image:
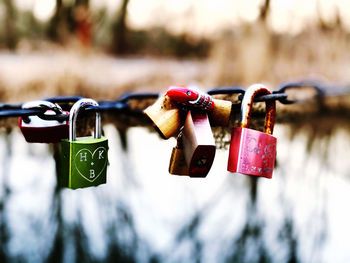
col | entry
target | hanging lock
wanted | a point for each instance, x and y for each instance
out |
(84, 159)
(198, 147)
(219, 111)
(37, 130)
(178, 165)
(166, 115)
(253, 152)
(191, 97)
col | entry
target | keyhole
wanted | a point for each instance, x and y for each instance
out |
(202, 161)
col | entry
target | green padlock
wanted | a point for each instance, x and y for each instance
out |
(84, 160)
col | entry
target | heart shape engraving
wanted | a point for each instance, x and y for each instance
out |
(90, 165)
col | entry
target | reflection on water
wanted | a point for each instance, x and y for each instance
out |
(144, 214)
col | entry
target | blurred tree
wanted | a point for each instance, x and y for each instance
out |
(83, 24)
(61, 23)
(71, 19)
(56, 21)
(328, 26)
(81, 2)
(264, 10)
(10, 27)
(120, 30)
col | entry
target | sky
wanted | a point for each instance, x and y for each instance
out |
(206, 17)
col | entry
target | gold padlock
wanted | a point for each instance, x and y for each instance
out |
(165, 116)
(220, 115)
(178, 165)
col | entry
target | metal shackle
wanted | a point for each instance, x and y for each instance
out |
(42, 104)
(246, 107)
(73, 115)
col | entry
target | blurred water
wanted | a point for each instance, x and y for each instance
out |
(145, 214)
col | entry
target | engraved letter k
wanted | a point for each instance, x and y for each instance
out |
(100, 154)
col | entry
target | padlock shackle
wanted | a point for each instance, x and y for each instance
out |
(43, 104)
(246, 107)
(73, 115)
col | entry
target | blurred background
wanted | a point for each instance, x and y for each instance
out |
(102, 49)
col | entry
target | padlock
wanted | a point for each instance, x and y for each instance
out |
(219, 111)
(253, 152)
(198, 143)
(191, 97)
(167, 117)
(84, 159)
(37, 130)
(178, 165)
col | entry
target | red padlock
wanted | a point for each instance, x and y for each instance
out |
(37, 130)
(191, 97)
(198, 144)
(253, 152)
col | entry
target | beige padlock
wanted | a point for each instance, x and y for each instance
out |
(220, 115)
(166, 116)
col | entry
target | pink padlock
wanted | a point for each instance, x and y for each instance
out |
(37, 130)
(198, 143)
(253, 152)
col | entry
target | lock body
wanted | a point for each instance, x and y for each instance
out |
(43, 131)
(166, 117)
(198, 144)
(178, 165)
(252, 152)
(84, 162)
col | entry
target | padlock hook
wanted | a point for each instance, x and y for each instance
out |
(246, 107)
(73, 115)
